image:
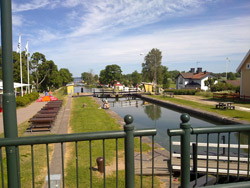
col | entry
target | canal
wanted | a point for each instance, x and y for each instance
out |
(148, 115)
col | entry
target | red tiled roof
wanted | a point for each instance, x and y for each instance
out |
(195, 76)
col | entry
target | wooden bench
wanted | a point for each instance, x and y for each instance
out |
(48, 111)
(53, 115)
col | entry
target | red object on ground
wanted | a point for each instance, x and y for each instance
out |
(46, 98)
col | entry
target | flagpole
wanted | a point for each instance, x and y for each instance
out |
(28, 73)
(28, 69)
(21, 72)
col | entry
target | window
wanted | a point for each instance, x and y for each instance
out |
(248, 66)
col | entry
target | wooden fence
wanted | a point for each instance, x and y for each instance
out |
(232, 96)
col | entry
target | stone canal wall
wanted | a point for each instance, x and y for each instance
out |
(210, 116)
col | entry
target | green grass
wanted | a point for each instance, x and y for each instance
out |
(40, 161)
(241, 115)
(92, 119)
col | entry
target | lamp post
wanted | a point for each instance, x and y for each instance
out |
(227, 60)
(155, 82)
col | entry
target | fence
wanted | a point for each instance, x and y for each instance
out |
(186, 131)
(231, 96)
(129, 133)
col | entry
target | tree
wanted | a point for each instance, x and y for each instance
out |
(37, 67)
(66, 76)
(210, 82)
(110, 74)
(231, 76)
(136, 78)
(89, 77)
(151, 68)
(48, 72)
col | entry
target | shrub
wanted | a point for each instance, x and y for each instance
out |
(182, 91)
(204, 93)
(26, 99)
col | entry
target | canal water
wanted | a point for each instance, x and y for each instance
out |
(148, 115)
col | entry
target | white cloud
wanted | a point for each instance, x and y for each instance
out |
(33, 5)
(17, 20)
(102, 15)
(208, 42)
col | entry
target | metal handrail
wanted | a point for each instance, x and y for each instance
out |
(72, 137)
(186, 130)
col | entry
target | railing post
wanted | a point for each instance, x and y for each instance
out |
(185, 151)
(9, 101)
(129, 152)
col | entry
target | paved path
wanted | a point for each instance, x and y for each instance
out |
(25, 113)
(60, 127)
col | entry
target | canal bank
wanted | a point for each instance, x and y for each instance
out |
(210, 116)
(160, 153)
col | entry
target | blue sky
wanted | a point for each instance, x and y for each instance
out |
(84, 35)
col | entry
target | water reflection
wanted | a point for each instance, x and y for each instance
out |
(153, 111)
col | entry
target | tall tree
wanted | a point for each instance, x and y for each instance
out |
(151, 67)
(136, 78)
(50, 76)
(110, 74)
(66, 76)
(38, 68)
(89, 77)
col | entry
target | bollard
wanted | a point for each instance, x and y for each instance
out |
(185, 151)
(100, 164)
(129, 152)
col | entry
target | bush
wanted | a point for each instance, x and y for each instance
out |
(182, 91)
(204, 94)
(26, 99)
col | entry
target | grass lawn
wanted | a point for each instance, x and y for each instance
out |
(241, 115)
(40, 161)
(40, 157)
(92, 119)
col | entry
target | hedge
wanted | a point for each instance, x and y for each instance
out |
(182, 91)
(26, 99)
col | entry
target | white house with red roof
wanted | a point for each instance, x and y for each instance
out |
(193, 80)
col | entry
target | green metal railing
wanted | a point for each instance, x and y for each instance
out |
(129, 133)
(186, 131)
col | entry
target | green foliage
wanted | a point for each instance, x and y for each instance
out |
(110, 74)
(221, 86)
(210, 82)
(89, 77)
(26, 99)
(182, 91)
(204, 94)
(230, 75)
(66, 76)
(136, 78)
(152, 65)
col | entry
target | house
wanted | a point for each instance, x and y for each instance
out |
(192, 79)
(118, 86)
(148, 87)
(244, 69)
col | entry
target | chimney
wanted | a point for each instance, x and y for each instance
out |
(199, 69)
(192, 70)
